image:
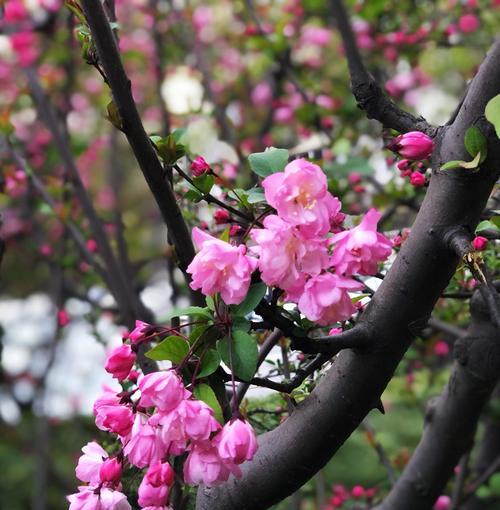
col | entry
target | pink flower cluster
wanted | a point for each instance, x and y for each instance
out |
(164, 421)
(299, 249)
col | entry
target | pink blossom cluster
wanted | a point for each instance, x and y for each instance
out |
(343, 497)
(165, 420)
(302, 249)
(22, 39)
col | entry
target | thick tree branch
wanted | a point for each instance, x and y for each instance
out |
(293, 452)
(144, 152)
(366, 90)
(451, 420)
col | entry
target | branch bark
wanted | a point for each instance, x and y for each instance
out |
(451, 419)
(292, 453)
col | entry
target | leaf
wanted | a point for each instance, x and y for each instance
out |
(270, 161)
(255, 293)
(189, 311)
(492, 113)
(204, 182)
(209, 363)
(452, 164)
(206, 394)
(209, 300)
(255, 195)
(241, 323)
(245, 354)
(178, 134)
(483, 492)
(354, 164)
(194, 195)
(487, 225)
(494, 484)
(113, 115)
(173, 348)
(472, 164)
(475, 142)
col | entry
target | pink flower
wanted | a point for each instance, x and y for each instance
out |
(199, 166)
(262, 94)
(221, 267)
(468, 23)
(142, 329)
(204, 465)
(413, 145)
(115, 418)
(89, 464)
(221, 216)
(163, 390)
(284, 255)
(358, 491)
(441, 348)
(417, 179)
(335, 331)
(442, 503)
(24, 45)
(14, 11)
(316, 36)
(145, 445)
(301, 197)
(237, 441)
(479, 243)
(155, 485)
(198, 419)
(358, 250)
(111, 471)
(325, 299)
(89, 498)
(63, 318)
(120, 361)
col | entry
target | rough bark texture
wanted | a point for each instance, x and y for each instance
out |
(292, 453)
(452, 418)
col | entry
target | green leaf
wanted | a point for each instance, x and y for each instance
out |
(241, 323)
(209, 300)
(270, 161)
(245, 354)
(470, 165)
(255, 293)
(354, 164)
(194, 195)
(492, 113)
(487, 225)
(113, 115)
(475, 142)
(494, 484)
(189, 311)
(452, 164)
(173, 348)
(225, 234)
(178, 134)
(255, 195)
(209, 363)
(206, 394)
(204, 182)
(483, 492)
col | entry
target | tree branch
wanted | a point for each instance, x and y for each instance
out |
(366, 90)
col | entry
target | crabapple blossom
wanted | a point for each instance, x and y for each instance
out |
(163, 390)
(360, 249)
(479, 243)
(237, 441)
(198, 419)
(300, 196)
(141, 330)
(414, 145)
(111, 471)
(199, 166)
(155, 486)
(89, 464)
(204, 465)
(326, 300)
(417, 179)
(90, 498)
(115, 418)
(284, 255)
(221, 267)
(120, 361)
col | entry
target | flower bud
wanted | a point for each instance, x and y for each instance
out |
(417, 179)
(479, 243)
(111, 471)
(413, 145)
(199, 166)
(221, 216)
(120, 361)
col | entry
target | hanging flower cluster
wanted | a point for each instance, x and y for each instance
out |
(155, 420)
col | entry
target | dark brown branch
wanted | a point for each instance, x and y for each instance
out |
(144, 152)
(368, 93)
(451, 420)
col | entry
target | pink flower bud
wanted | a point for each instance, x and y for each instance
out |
(413, 145)
(479, 243)
(358, 491)
(142, 329)
(111, 471)
(154, 488)
(91, 245)
(120, 361)
(221, 216)
(417, 179)
(442, 503)
(335, 331)
(468, 23)
(354, 178)
(63, 318)
(403, 164)
(199, 166)
(237, 441)
(441, 348)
